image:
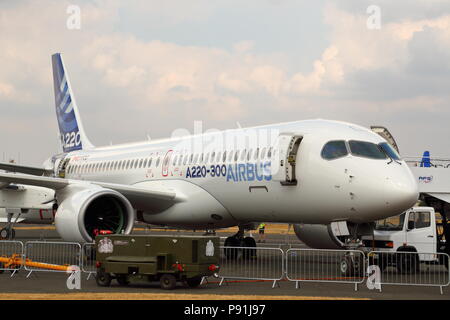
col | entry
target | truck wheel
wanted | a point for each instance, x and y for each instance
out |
(103, 279)
(407, 263)
(123, 279)
(168, 282)
(194, 282)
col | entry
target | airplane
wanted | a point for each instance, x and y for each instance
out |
(310, 171)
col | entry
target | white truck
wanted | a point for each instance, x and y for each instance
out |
(409, 239)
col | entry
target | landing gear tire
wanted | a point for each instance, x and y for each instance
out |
(249, 242)
(168, 282)
(346, 266)
(5, 234)
(103, 279)
(233, 252)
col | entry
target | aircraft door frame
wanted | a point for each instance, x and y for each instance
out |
(287, 145)
(166, 163)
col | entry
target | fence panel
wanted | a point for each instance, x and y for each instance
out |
(9, 252)
(410, 268)
(315, 265)
(88, 258)
(52, 256)
(247, 263)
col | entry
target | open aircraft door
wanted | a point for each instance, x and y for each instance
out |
(285, 159)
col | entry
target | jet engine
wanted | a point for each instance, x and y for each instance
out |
(318, 236)
(87, 210)
(331, 236)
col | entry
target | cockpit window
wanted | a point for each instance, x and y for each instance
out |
(391, 152)
(366, 149)
(334, 149)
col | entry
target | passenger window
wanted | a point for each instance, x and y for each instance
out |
(244, 152)
(256, 153)
(224, 157)
(263, 153)
(236, 155)
(230, 156)
(334, 150)
(157, 162)
(367, 150)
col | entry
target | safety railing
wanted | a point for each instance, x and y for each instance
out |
(249, 263)
(314, 265)
(10, 251)
(88, 254)
(408, 268)
(51, 256)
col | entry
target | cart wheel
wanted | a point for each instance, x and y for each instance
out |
(168, 282)
(123, 279)
(194, 282)
(103, 279)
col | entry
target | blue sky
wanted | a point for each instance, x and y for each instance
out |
(143, 68)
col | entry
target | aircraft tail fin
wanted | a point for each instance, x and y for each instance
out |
(71, 129)
(426, 160)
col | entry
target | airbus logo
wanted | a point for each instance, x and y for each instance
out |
(426, 179)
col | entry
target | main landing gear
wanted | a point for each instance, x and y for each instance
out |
(239, 246)
(8, 233)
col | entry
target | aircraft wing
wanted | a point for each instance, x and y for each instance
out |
(12, 167)
(158, 196)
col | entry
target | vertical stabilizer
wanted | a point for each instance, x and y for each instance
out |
(71, 129)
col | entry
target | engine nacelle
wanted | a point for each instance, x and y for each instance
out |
(331, 236)
(84, 209)
(318, 236)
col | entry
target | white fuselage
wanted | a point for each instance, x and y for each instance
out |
(228, 190)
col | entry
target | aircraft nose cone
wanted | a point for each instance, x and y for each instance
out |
(402, 191)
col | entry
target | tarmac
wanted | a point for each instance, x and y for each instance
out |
(49, 285)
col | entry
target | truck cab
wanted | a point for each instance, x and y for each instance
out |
(415, 230)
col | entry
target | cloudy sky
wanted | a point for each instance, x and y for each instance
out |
(145, 68)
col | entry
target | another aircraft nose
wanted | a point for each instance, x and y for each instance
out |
(402, 191)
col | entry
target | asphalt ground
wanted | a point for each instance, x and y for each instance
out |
(55, 283)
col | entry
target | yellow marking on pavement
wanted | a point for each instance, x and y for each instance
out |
(154, 296)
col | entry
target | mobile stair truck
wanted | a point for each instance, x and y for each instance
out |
(165, 258)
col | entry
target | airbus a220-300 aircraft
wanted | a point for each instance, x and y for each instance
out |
(313, 171)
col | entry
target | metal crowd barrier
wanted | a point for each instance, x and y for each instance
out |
(10, 250)
(314, 265)
(88, 254)
(246, 263)
(55, 255)
(410, 268)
